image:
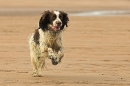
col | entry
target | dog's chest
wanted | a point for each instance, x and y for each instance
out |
(51, 40)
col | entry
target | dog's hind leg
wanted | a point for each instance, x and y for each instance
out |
(35, 68)
(40, 65)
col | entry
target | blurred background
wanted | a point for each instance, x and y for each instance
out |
(34, 7)
(97, 43)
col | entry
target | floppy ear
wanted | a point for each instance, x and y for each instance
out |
(65, 20)
(36, 36)
(44, 20)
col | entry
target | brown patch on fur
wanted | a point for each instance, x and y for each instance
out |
(64, 20)
(36, 36)
(53, 44)
(55, 47)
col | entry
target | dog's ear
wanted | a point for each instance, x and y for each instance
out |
(36, 36)
(65, 19)
(44, 20)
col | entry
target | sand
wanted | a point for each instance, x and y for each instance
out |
(97, 48)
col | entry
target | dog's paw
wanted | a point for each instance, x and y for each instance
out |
(34, 75)
(52, 57)
(54, 61)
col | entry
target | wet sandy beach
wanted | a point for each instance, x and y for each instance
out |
(97, 48)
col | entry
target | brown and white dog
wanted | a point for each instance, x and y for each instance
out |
(46, 41)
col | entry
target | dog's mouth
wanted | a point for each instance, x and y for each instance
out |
(56, 28)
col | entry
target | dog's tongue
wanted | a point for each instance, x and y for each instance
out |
(55, 28)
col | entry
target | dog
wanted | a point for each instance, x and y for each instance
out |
(46, 41)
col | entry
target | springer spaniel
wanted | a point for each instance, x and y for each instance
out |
(46, 41)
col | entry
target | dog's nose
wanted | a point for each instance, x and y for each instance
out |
(58, 23)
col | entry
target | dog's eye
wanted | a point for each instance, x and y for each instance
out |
(54, 16)
(60, 16)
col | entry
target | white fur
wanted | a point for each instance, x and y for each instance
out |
(57, 18)
(39, 52)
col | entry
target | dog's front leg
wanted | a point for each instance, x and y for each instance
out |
(60, 52)
(51, 54)
(60, 55)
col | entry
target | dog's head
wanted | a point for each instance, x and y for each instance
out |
(54, 20)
